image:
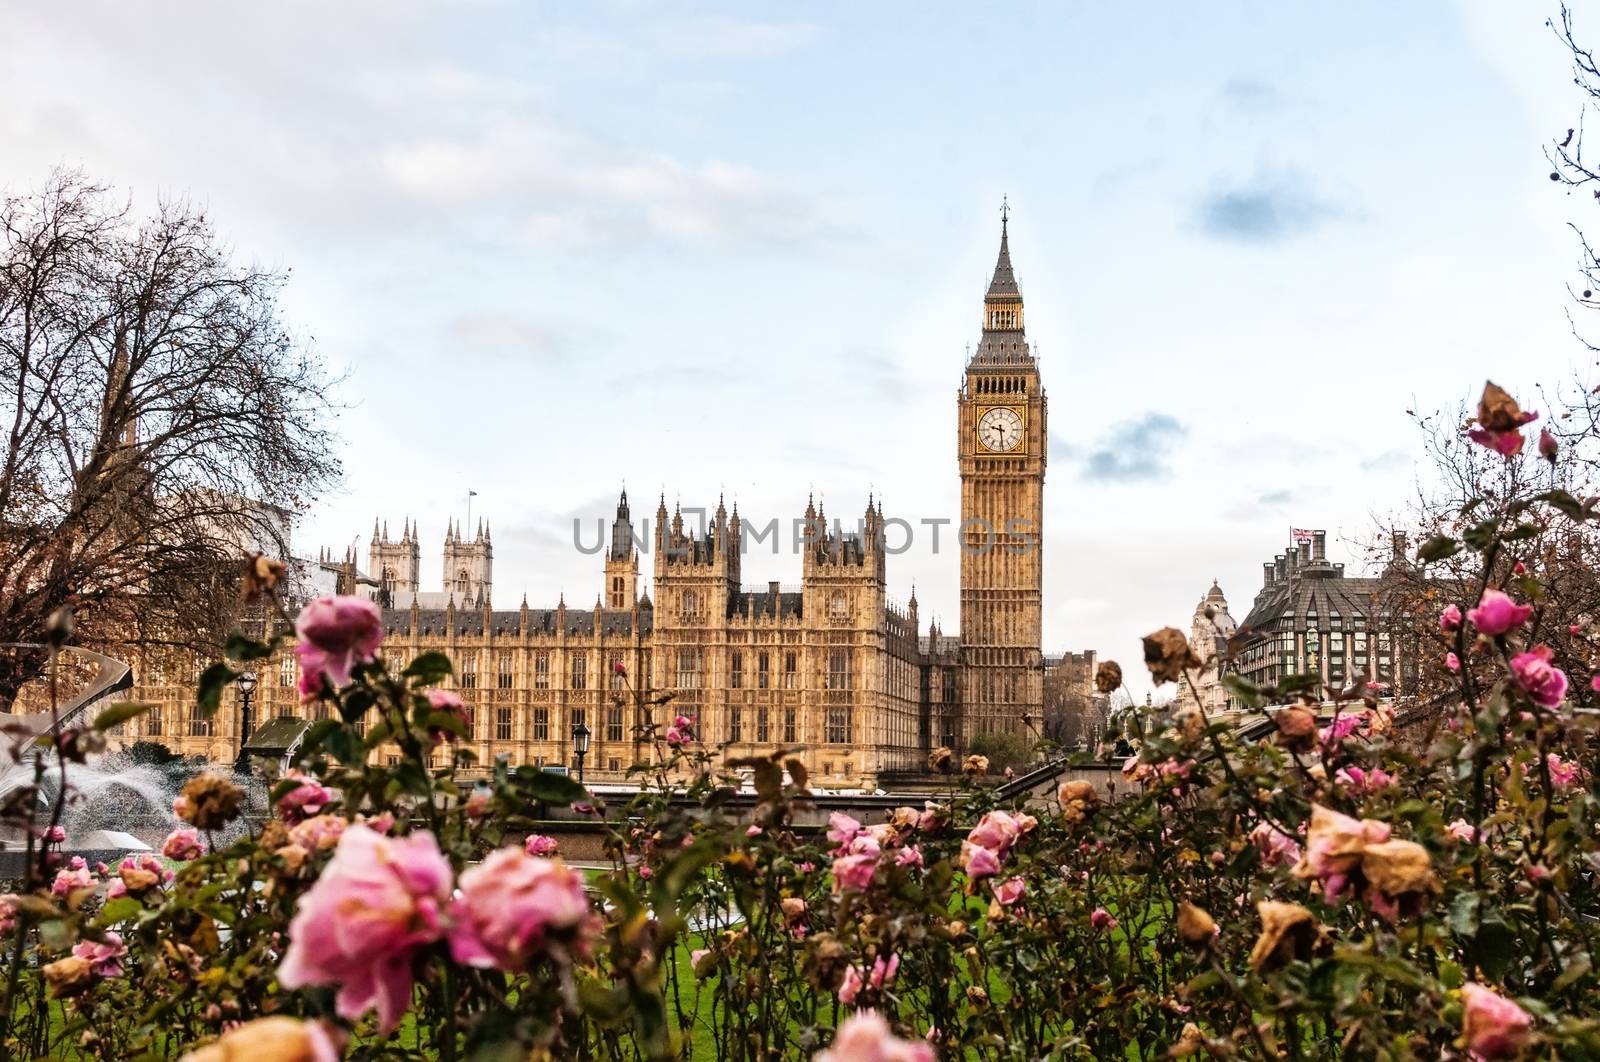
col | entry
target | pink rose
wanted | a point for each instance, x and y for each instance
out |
(851, 986)
(1276, 847)
(55, 835)
(1547, 445)
(842, 829)
(360, 926)
(1450, 618)
(450, 702)
(1362, 780)
(336, 634)
(183, 844)
(883, 971)
(978, 862)
(1496, 613)
(1494, 1026)
(1462, 830)
(104, 955)
(854, 872)
(1545, 685)
(909, 856)
(1452, 661)
(1009, 891)
(305, 800)
(68, 881)
(1102, 920)
(1562, 774)
(753, 830)
(866, 1037)
(322, 831)
(996, 831)
(513, 907)
(478, 804)
(539, 845)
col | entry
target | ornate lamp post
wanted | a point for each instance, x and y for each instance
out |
(247, 687)
(580, 746)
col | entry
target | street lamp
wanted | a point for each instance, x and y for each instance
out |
(580, 746)
(247, 686)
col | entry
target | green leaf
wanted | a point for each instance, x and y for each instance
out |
(1303, 683)
(1480, 536)
(429, 669)
(1566, 503)
(449, 722)
(1438, 548)
(1578, 967)
(1464, 914)
(120, 713)
(548, 787)
(118, 910)
(1249, 694)
(213, 680)
(246, 649)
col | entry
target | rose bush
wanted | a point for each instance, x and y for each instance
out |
(1356, 880)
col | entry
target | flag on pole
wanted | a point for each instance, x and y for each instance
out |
(1298, 535)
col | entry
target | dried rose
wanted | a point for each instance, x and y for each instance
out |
(1108, 676)
(1288, 931)
(209, 801)
(1297, 728)
(1195, 926)
(1167, 654)
(261, 575)
(69, 976)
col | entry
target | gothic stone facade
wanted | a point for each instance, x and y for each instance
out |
(831, 667)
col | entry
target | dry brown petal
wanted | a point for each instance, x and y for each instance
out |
(69, 976)
(975, 765)
(1190, 1042)
(940, 759)
(276, 1039)
(1288, 931)
(1397, 868)
(138, 881)
(1108, 676)
(1297, 728)
(274, 835)
(210, 802)
(293, 856)
(1195, 926)
(1167, 654)
(261, 575)
(1498, 411)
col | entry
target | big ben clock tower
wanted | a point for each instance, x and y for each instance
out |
(1001, 438)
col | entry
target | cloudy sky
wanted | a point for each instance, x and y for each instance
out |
(742, 248)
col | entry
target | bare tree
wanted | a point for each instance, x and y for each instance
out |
(160, 421)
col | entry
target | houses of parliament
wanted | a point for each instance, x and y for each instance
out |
(831, 667)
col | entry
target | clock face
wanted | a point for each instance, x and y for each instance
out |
(1000, 430)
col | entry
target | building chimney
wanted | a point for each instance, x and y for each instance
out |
(1268, 574)
(1319, 545)
(1398, 542)
(1279, 566)
(1305, 553)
